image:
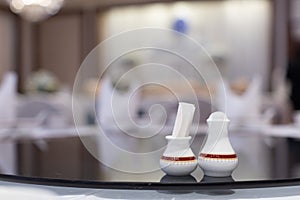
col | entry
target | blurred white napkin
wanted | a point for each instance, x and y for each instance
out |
(241, 109)
(117, 108)
(8, 91)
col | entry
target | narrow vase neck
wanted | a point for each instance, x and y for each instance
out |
(217, 140)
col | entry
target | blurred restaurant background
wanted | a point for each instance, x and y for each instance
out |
(43, 43)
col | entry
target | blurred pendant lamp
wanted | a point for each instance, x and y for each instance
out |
(35, 10)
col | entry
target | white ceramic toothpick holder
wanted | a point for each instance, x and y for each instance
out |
(217, 157)
(178, 158)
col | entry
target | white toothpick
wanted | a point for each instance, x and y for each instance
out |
(184, 118)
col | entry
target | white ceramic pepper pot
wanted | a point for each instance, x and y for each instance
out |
(217, 157)
(178, 158)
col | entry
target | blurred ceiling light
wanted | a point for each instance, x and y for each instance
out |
(35, 10)
(181, 10)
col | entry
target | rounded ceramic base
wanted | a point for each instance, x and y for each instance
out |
(217, 167)
(217, 174)
(178, 168)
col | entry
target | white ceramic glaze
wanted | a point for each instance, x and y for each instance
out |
(178, 158)
(217, 157)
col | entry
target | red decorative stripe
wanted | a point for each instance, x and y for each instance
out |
(178, 158)
(220, 156)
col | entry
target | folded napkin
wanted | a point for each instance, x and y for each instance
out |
(8, 93)
(117, 108)
(241, 109)
(8, 97)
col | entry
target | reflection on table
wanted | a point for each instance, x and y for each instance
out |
(59, 153)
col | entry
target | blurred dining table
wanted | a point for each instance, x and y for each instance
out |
(262, 150)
